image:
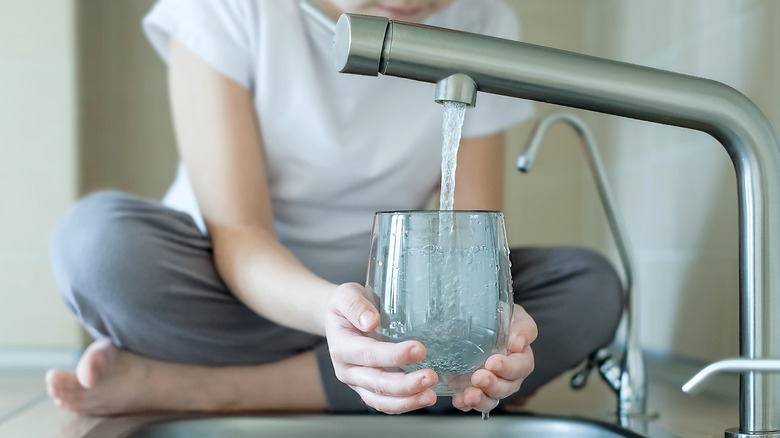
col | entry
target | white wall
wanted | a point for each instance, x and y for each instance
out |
(38, 168)
(679, 186)
(676, 188)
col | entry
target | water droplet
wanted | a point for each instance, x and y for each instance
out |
(379, 263)
(485, 415)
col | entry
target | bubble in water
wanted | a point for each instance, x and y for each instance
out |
(380, 263)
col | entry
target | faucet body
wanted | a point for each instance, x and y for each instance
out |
(371, 45)
(626, 374)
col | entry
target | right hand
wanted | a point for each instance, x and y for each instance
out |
(362, 362)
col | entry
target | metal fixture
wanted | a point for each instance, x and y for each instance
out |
(733, 365)
(456, 88)
(516, 69)
(623, 371)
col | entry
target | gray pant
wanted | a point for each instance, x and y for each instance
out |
(143, 275)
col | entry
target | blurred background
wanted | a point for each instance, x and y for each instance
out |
(83, 106)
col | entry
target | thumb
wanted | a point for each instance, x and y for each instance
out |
(352, 304)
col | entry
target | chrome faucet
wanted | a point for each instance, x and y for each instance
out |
(372, 45)
(623, 371)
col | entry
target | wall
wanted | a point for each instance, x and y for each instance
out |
(676, 188)
(544, 206)
(126, 134)
(38, 171)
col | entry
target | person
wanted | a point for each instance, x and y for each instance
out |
(241, 290)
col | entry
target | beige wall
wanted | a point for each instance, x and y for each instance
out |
(126, 134)
(38, 169)
(544, 207)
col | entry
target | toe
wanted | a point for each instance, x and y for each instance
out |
(94, 361)
(61, 382)
(70, 399)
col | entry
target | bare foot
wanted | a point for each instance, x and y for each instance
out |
(109, 380)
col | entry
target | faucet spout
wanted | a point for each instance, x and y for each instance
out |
(457, 88)
(511, 68)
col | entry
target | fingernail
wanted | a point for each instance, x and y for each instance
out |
(427, 381)
(425, 400)
(365, 319)
(497, 365)
(415, 351)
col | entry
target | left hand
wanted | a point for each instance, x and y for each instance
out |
(503, 374)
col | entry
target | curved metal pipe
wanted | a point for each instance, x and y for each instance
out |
(527, 158)
(632, 387)
(733, 365)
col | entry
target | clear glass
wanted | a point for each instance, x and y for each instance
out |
(442, 278)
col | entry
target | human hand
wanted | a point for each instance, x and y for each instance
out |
(503, 374)
(362, 362)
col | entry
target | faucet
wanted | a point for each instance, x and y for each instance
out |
(371, 45)
(625, 375)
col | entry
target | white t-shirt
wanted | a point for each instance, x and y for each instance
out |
(338, 147)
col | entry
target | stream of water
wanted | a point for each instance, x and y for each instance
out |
(457, 359)
(454, 115)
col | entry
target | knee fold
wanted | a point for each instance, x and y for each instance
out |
(85, 243)
(603, 297)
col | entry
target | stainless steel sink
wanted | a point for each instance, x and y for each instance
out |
(379, 426)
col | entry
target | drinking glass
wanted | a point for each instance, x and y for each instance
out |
(442, 278)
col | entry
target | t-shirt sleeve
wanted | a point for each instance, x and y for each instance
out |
(494, 113)
(218, 31)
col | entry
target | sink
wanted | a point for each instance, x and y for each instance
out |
(380, 426)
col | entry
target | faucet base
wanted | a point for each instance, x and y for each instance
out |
(735, 433)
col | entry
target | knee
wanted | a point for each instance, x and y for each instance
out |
(77, 240)
(88, 246)
(599, 296)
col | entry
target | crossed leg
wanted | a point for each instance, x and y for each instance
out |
(171, 336)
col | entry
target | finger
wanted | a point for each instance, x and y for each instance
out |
(478, 400)
(383, 382)
(458, 403)
(523, 330)
(493, 386)
(355, 307)
(367, 352)
(516, 366)
(397, 405)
